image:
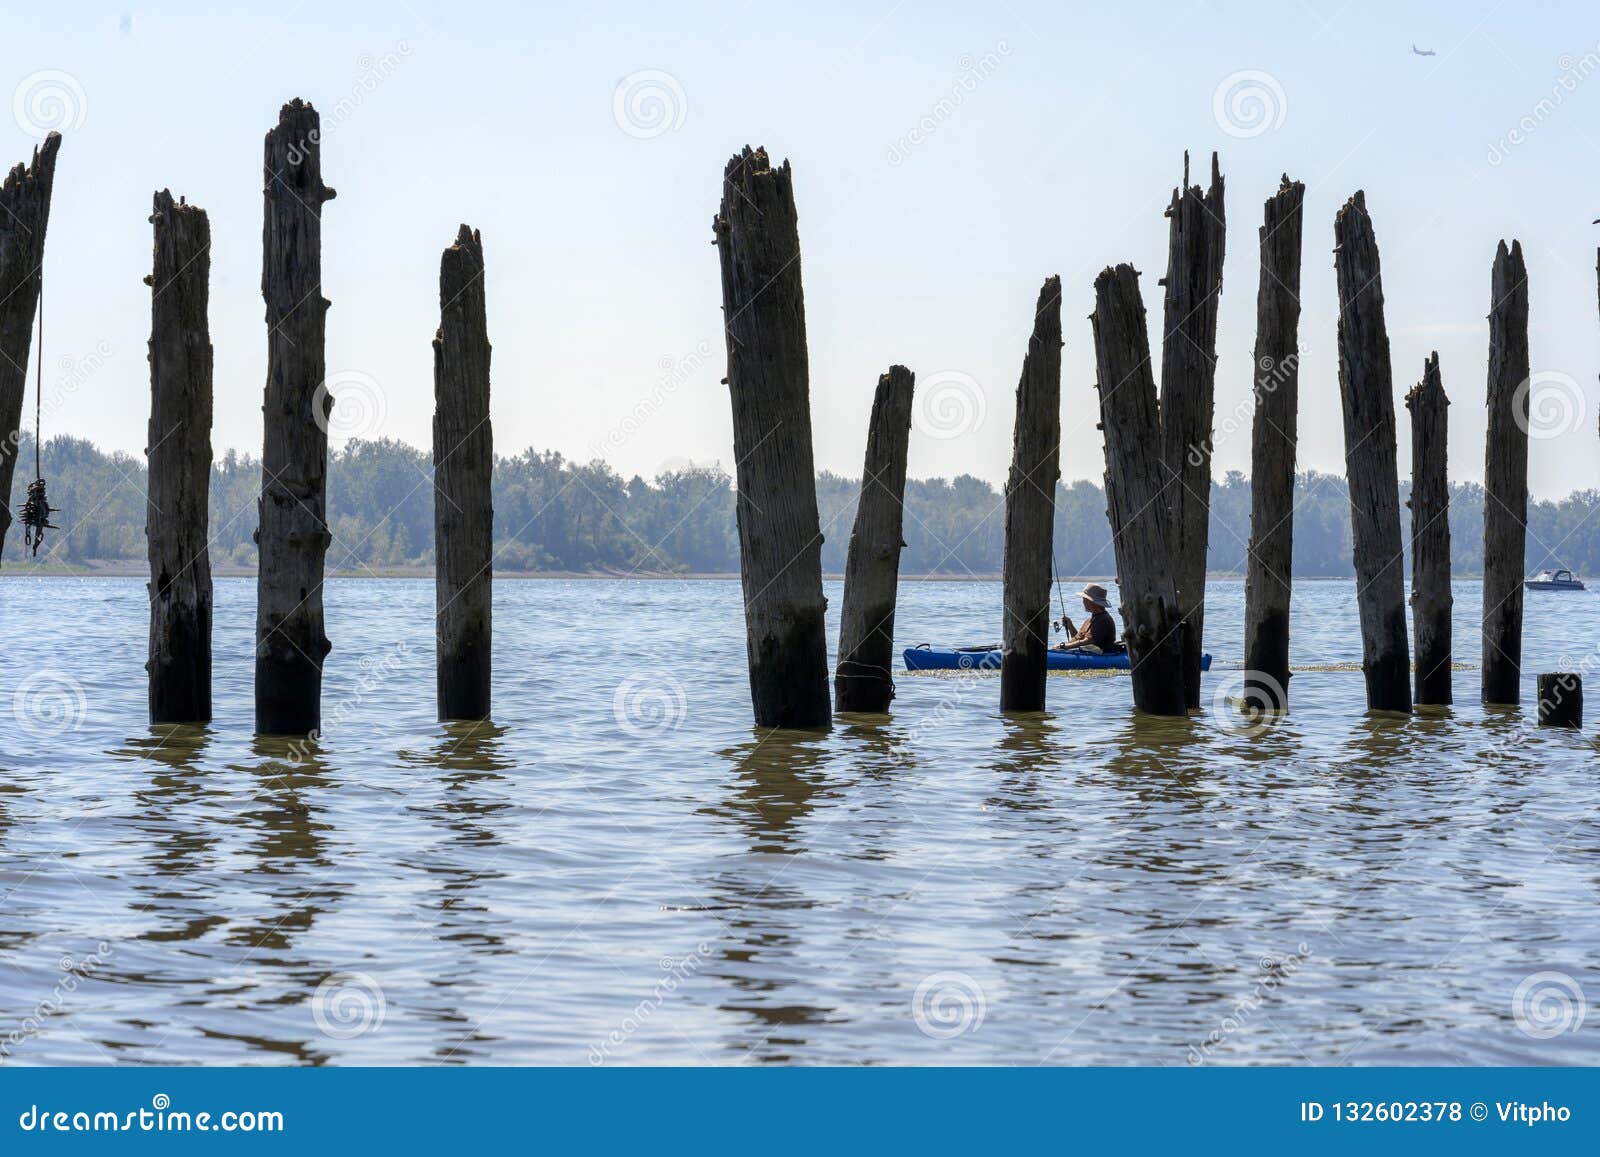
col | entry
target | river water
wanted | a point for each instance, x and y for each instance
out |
(621, 870)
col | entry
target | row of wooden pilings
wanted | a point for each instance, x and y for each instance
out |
(292, 535)
(1157, 456)
(1158, 444)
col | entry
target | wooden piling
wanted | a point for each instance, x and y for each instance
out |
(1268, 578)
(780, 538)
(1366, 390)
(293, 532)
(1132, 428)
(1431, 600)
(1505, 477)
(864, 678)
(1030, 510)
(177, 508)
(463, 466)
(24, 217)
(1561, 699)
(1196, 239)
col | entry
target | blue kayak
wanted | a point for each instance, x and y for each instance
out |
(931, 658)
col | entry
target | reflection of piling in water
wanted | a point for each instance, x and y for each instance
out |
(1131, 425)
(1505, 477)
(1030, 510)
(1272, 450)
(293, 533)
(463, 462)
(1431, 600)
(864, 680)
(780, 538)
(177, 506)
(1196, 239)
(1366, 390)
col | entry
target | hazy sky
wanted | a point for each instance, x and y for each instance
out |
(947, 157)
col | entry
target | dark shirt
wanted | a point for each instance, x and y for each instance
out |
(1100, 629)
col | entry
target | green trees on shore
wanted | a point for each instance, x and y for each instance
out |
(552, 514)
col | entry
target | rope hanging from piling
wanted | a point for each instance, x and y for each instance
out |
(36, 510)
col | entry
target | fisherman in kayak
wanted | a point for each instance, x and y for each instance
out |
(1098, 635)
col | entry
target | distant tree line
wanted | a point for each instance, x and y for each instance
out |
(552, 514)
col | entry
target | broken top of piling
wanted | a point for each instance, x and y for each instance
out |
(1366, 392)
(24, 216)
(769, 385)
(1196, 242)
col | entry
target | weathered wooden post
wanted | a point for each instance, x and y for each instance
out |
(1366, 389)
(293, 534)
(769, 380)
(1031, 510)
(1132, 426)
(1431, 600)
(864, 678)
(1196, 238)
(463, 465)
(1268, 576)
(24, 217)
(1561, 699)
(179, 448)
(1505, 477)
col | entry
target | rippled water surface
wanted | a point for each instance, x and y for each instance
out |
(622, 870)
